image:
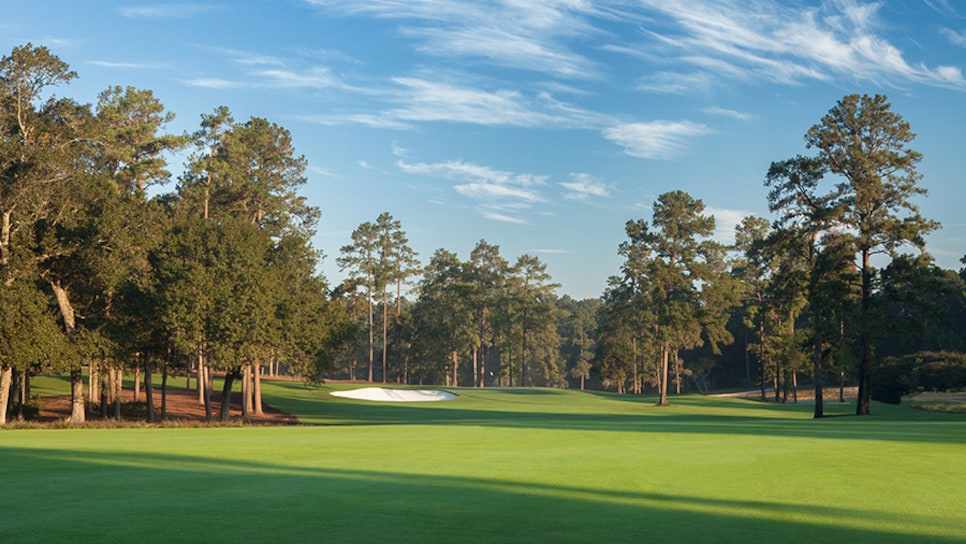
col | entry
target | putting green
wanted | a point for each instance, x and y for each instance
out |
(498, 466)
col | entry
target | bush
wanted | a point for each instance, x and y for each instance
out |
(32, 408)
(922, 371)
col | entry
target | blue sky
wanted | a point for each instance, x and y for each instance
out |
(539, 126)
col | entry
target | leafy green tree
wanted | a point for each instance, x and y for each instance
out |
(862, 140)
(531, 290)
(29, 336)
(443, 317)
(674, 267)
(395, 264)
(486, 275)
(33, 148)
(620, 335)
(360, 258)
(755, 271)
(578, 330)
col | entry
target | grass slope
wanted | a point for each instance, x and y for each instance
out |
(498, 466)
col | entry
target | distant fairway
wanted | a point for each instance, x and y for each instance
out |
(498, 466)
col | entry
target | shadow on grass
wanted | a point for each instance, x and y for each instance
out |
(689, 414)
(100, 496)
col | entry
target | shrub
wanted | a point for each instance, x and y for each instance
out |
(922, 371)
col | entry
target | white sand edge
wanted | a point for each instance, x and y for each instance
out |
(381, 394)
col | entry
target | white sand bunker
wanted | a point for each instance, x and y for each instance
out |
(381, 394)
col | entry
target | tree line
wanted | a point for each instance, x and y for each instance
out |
(104, 272)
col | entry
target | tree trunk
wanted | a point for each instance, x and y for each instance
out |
(665, 353)
(24, 393)
(476, 368)
(77, 413)
(201, 377)
(119, 388)
(164, 391)
(137, 382)
(455, 375)
(865, 338)
(230, 375)
(258, 390)
(93, 380)
(637, 382)
(761, 352)
(5, 230)
(369, 301)
(206, 390)
(841, 386)
(246, 393)
(677, 373)
(6, 380)
(148, 389)
(483, 352)
(105, 395)
(817, 369)
(385, 335)
(795, 386)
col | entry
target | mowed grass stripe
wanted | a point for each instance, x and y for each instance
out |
(497, 466)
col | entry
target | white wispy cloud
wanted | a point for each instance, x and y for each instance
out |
(954, 37)
(425, 100)
(724, 112)
(315, 77)
(398, 150)
(676, 83)
(503, 218)
(527, 35)
(773, 41)
(166, 11)
(584, 186)
(725, 222)
(261, 71)
(493, 191)
(475, 173)
(127, 65)
(322, 172)
(212, 83)
(501, 195)
(655, 139)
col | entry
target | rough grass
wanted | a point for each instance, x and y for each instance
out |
(498, 466)
(937, 401)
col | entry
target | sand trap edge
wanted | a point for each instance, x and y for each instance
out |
(382, 394)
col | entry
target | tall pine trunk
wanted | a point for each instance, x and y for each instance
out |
(164, 391)
(865, 339)
(225, 412)
(118, 389)
(246, 393)
(206, 391)
(258, 390)
(148, 389)
(665, 353)
(385, 335)
(6, 380)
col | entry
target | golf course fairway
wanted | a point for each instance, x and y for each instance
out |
(497, 465)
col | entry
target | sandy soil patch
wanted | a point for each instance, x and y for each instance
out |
(381, 394)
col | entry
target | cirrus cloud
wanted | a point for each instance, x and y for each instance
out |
(656, 139)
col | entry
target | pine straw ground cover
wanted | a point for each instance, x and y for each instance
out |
(498, 466)
(937, 401)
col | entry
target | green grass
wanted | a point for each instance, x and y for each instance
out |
(498, 466)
